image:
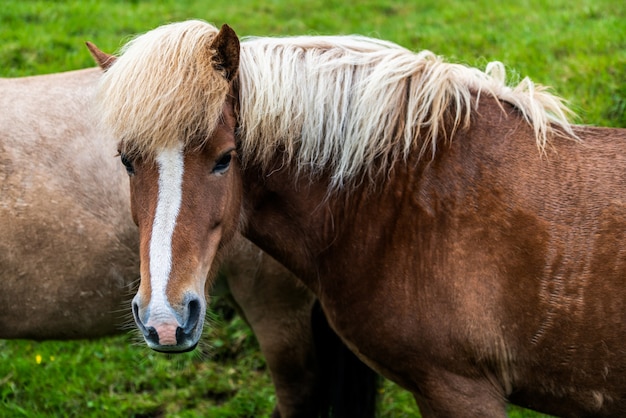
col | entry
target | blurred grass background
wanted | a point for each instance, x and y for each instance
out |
(577, 47)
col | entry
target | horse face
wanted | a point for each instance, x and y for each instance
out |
(186, 203)
(185, 186)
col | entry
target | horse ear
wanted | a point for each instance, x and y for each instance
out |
(226, 48)
(103, 59)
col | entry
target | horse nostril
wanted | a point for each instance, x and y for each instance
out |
(186, 332)
(151, 335)
(138, 320)
(136, 311)
(194, 309)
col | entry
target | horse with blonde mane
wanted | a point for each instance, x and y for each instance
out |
(463, 238)
(69, 258)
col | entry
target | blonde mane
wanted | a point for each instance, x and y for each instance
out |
(348, 104)
(345, 102)
(163, 89)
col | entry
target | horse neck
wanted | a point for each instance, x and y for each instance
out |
(282, 222)
(311, 231)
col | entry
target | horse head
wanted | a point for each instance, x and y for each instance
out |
(170, 105)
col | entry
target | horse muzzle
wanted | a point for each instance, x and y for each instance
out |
(170, 330)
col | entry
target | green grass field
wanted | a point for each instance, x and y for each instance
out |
(577, 47)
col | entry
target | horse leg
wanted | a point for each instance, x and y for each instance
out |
(454, 396)
(278, 309)
(346, 386)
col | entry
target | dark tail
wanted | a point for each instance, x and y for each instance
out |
(347, 388)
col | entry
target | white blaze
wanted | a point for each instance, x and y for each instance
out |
(170, 163)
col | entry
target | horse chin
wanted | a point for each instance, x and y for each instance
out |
(174, 349)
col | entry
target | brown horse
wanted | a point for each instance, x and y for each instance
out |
(68, 248)
(462, 237)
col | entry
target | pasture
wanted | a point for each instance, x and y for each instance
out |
(578, 48)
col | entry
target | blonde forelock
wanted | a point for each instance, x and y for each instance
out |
(163, 89)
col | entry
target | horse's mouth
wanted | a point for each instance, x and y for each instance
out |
(174, 349)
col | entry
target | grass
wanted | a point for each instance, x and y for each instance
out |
(577, 47)
(116, 377)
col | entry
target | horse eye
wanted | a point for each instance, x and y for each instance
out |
(128, 164)
(221, 166)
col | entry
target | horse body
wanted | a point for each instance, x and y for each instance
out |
(68, 254)
(499, 265)
(489, 272)
(67, 239)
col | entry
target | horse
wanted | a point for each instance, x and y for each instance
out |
(463, 236)
(69, 259)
